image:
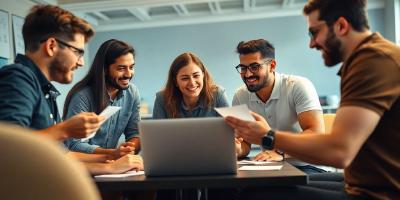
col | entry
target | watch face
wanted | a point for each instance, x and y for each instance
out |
(267, 142)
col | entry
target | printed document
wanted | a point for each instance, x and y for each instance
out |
(253, 162)
(258, 167)
(126, 174)
(107, 113)
(240, 111)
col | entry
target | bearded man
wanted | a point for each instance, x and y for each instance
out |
(108, 84)
(287, 102)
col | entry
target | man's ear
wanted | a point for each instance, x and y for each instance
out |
(50, 47)
(342, 26)
(273, 65)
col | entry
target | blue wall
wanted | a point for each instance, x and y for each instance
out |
(215, 44)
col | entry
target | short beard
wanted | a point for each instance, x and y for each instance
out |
(58, 70)
(256, 88)
(333, 47)
(111, 82)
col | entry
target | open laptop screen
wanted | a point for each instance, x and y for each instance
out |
(189, 146)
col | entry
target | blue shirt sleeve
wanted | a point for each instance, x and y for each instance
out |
(159, 111)
(19, 96)
(79, 103)
(131, 129)
(222, 100)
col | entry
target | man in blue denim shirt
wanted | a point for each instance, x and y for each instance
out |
(108, 84)
(53, 52)
(54, 42)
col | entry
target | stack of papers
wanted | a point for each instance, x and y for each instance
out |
(273, 167)
(253, 162)
(126, 174)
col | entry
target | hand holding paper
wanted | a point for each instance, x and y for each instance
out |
(241, 112)
(107, 113)
(250, 131)
(78, 126)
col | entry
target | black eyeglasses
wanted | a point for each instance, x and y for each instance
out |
(76, 50)
(79, 52)
(253, 67)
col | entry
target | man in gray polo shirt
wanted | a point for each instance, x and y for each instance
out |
(287, 102)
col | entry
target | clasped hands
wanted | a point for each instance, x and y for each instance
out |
(124, 149)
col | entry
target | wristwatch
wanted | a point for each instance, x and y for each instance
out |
(268, 141)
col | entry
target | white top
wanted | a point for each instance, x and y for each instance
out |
(290, 96)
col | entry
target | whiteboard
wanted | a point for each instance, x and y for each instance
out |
(19, 45)
(4, 35)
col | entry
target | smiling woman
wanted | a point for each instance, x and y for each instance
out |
(190, 91)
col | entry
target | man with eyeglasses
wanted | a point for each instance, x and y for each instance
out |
(365, 136)
(27, 96)
(54, 42)
(287, 102)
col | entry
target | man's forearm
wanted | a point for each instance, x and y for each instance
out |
(100, 150)
(84, 157)
(98, 168)
(55, 132)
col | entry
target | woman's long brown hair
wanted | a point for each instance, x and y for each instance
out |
(173, 96)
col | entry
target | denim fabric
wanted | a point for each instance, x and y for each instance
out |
(125, 121)
(27, 98)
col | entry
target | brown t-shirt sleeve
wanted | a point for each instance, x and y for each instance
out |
(371, 81)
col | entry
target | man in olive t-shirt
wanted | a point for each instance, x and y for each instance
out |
(365, 136)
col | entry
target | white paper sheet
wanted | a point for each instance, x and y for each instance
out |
(240, 111)
(107, 113)
(258, 167)
(126, 174)
(253, 162)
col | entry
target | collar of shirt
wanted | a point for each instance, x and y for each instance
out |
(120, 94)
(276, 91)
(45, 84)
(200, 104)
(359, 46)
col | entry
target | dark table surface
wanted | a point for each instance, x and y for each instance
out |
(288, 175)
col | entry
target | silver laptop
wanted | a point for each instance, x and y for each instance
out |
(190, 146)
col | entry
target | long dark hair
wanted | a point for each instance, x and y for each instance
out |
(108, 52)
(172, 94)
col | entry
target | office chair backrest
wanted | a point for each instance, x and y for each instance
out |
(33, 167)
(328, 120)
